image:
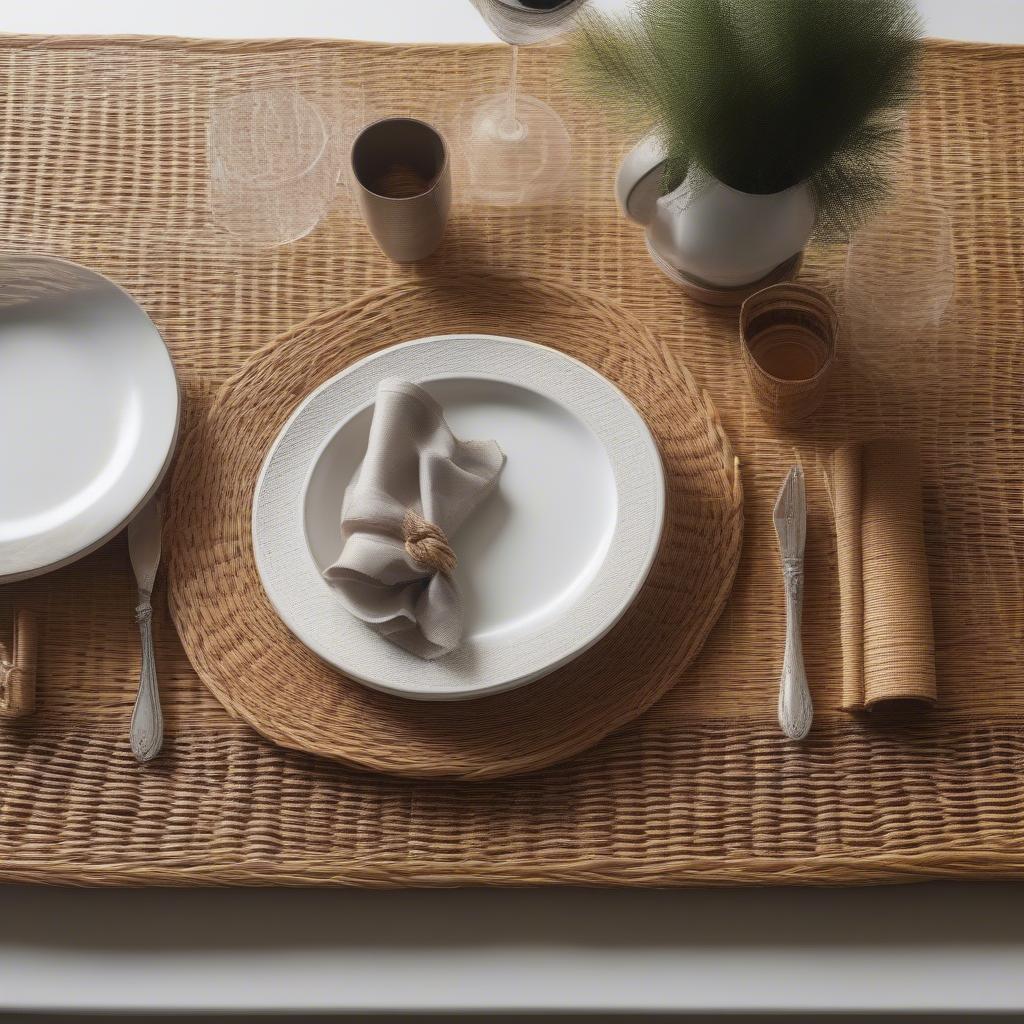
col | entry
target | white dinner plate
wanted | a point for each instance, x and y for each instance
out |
(88, 412)
(547, 563)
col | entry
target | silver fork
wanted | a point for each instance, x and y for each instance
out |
(795, 708)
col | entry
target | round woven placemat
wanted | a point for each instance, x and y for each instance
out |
(263, 675)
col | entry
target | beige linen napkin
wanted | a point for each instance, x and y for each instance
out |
(414, 489)
(886, 623)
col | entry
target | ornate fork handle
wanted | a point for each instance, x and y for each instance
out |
(147, 728)
(795, 708)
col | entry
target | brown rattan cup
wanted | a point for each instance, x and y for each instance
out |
(403, 184)
(788, 334)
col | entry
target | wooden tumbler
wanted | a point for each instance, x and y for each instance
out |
(18, 673)
(788, 334)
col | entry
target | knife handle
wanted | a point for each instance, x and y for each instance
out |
(796, 711)
(147, 728)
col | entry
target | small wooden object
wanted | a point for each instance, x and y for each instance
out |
(18, 673)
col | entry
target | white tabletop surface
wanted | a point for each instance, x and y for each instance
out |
(936, 947)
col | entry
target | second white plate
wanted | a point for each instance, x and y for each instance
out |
(546, 565)
(88, 412)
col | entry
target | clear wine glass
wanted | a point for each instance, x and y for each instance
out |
(900, 272)
(516, 147)
(900, 280)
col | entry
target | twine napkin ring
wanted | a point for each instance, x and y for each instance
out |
(427, 544)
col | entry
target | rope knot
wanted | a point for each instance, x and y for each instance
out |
(143, 613)
(427, 544)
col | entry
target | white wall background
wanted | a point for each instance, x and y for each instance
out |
(388, 20)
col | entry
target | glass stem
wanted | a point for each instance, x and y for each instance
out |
(511, 113)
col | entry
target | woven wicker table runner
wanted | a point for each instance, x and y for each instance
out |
(102, 160)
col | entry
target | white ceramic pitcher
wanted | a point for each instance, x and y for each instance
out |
(714, 237)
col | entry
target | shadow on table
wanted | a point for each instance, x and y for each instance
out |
(253, 919)
(294, 930)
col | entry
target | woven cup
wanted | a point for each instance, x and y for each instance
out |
(788, 333)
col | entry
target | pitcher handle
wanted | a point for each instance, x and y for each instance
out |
(638, 183)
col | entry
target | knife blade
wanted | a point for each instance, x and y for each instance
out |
(144, 545)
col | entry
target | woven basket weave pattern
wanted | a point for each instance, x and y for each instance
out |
(103, 145)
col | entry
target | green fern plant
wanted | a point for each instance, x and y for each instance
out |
(763, 94)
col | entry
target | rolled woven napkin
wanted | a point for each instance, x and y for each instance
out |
(416, 486)
(888, 644)
(522, 22)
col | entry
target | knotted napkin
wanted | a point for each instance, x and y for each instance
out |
(416, 486)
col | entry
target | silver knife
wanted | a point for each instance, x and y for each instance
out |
(147, 728)
(795, 709)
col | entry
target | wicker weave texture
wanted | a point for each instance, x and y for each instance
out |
(102, 160)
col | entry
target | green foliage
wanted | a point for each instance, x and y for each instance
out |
(763, 94)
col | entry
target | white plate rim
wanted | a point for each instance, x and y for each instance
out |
(268, 561)
(157, 478)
